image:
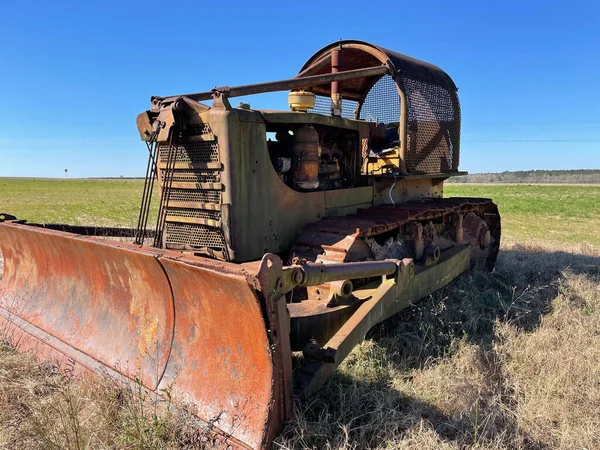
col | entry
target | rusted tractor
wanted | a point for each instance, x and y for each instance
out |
(277, 232)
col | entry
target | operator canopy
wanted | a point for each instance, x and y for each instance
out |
(359, 55)
(416, 96)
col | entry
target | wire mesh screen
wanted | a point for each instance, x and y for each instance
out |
(323, 106)
(185, 234)
(433, 132)
(191, 151)
(382, 104)
(188, 207)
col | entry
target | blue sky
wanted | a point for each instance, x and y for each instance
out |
(74, 75)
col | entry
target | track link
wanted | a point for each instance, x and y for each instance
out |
(342, 239)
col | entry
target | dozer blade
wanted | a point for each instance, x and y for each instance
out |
(198, 326)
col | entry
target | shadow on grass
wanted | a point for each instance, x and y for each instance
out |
(363, 405)
(519, 291)
(372, 415)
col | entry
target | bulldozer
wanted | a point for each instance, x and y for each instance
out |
(282, 237)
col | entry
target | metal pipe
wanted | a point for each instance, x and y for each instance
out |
(336, 97)
(313, 274)
(282, 85)
(402, 127)
(389, 298)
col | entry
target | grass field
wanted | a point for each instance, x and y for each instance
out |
(552, 213)
(507, 360)
(103, 202)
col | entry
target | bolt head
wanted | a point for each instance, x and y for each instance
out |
(298, 276)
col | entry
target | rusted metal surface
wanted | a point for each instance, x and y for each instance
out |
(336, 96)
(359, 54)
(312, 274)
(390, 297)
(270, 275)
(220, 355)
(423, 115)
(306, 158)
(199, 325)
(335, 240)
(89, 295)
(224, 159)
(192, 204)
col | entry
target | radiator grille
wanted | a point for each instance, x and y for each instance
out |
(199, 196)
(184, 234)
(207, 197)
(192, 152)
(195, 213)
(195, 176)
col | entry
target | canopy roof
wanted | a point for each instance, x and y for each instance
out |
(358, 55)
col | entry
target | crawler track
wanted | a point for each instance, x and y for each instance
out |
(341, 239)
(344, 239)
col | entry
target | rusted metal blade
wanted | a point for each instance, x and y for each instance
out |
(112, 304)
(188, 323)
(220, 355)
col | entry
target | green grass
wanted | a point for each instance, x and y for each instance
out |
(568, 214)
(102, 202)
(554, 213)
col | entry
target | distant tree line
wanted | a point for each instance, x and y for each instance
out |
(533, 176)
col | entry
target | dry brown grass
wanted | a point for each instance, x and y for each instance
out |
(41, 408)
(508, 360)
